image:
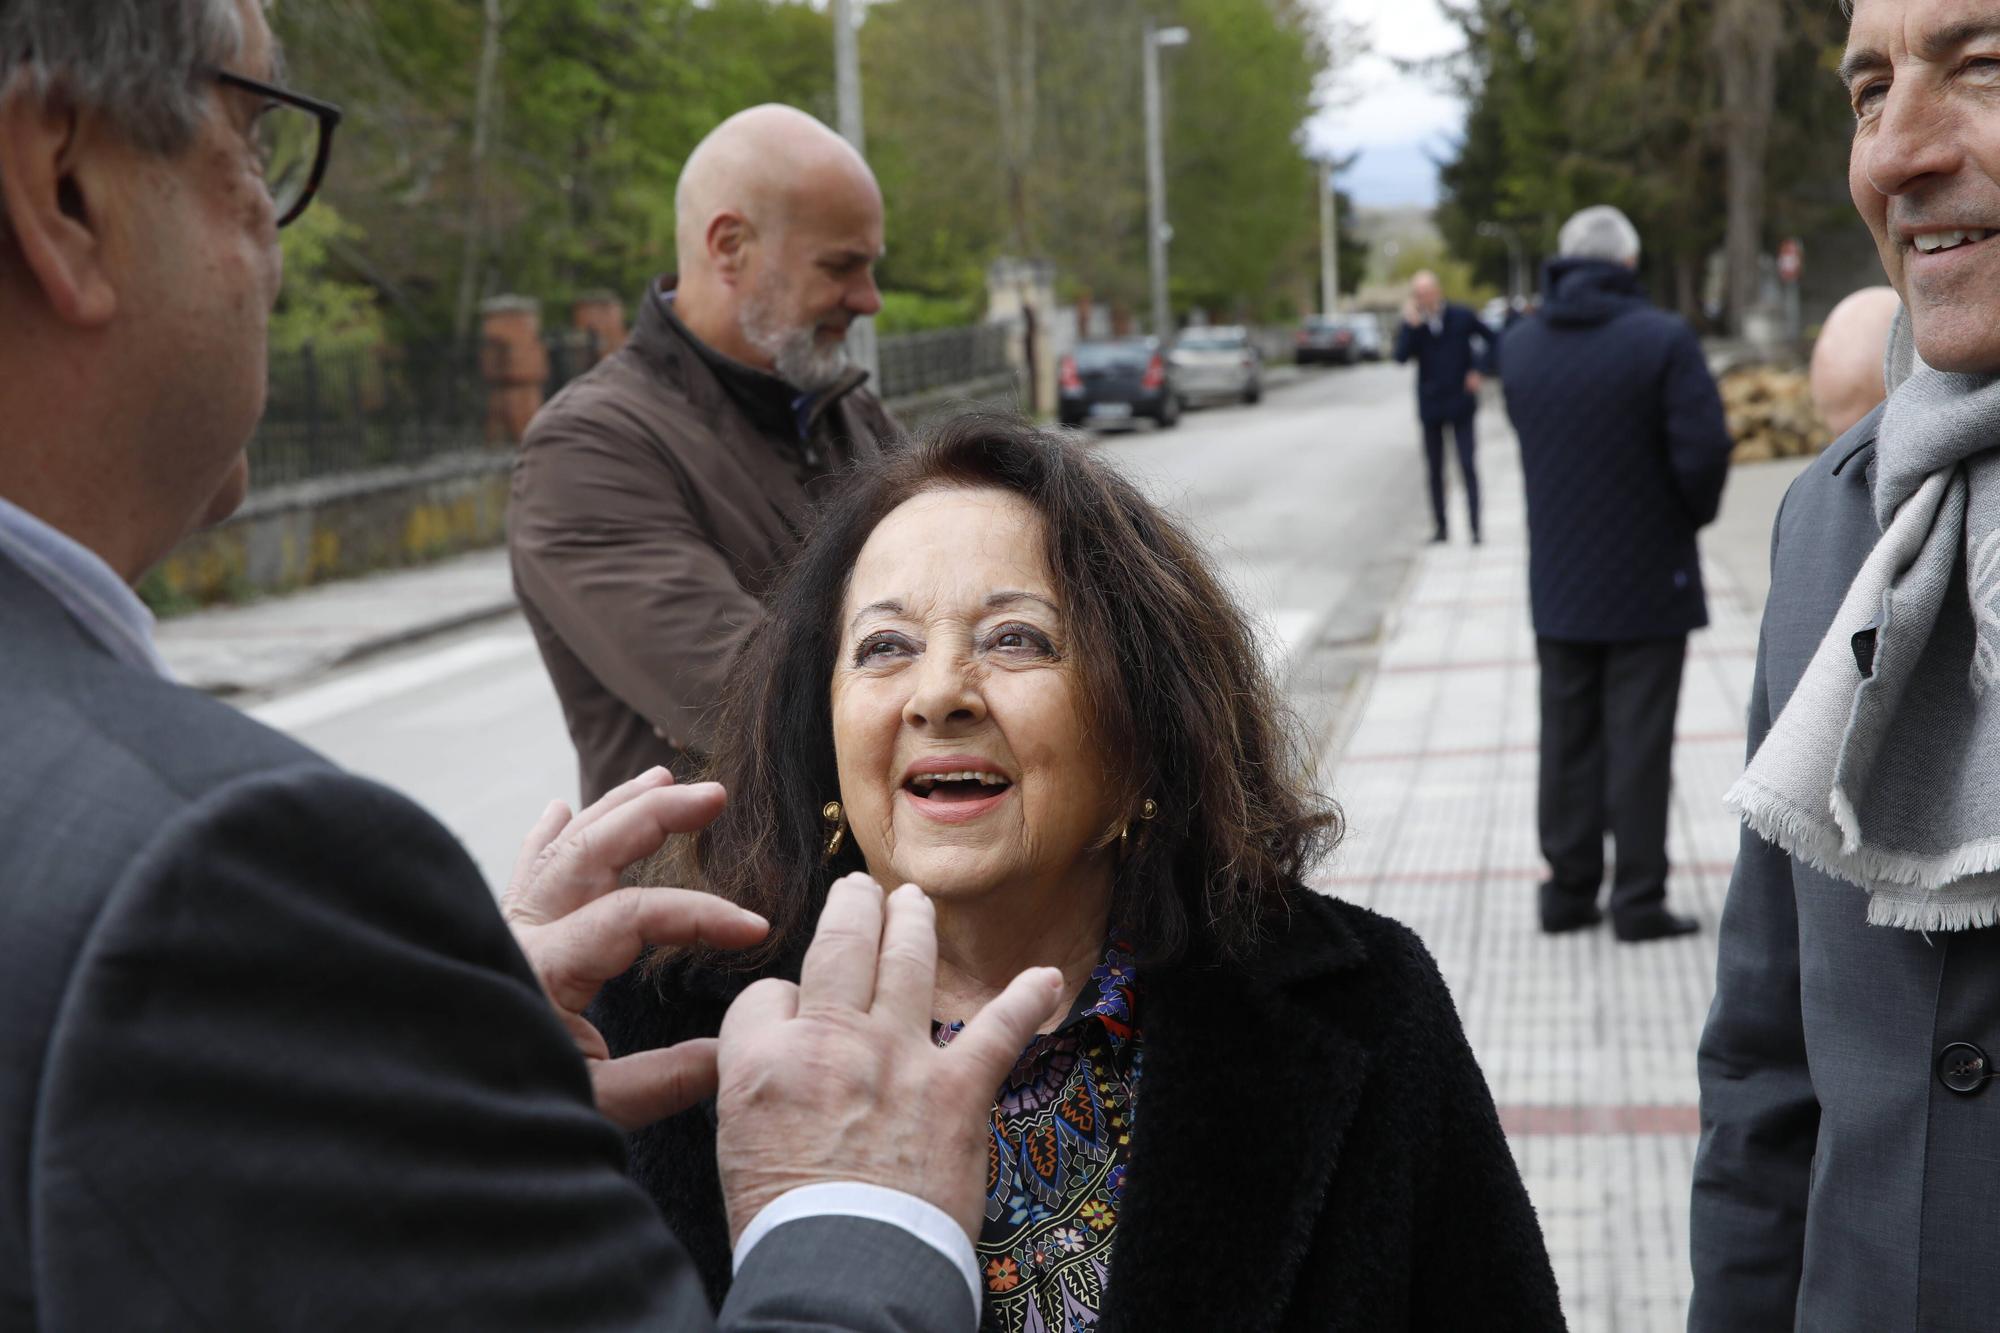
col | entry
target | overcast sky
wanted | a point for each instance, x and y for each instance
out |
(1397, 121)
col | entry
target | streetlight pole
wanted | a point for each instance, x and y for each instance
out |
(1157, 231)
(847, 100)
(847, 74)
(1329, 242)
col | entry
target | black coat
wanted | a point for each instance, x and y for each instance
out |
(1315, 1149)
(1623, 454)
(1444, 359)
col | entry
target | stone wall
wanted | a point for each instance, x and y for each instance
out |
(340, 527)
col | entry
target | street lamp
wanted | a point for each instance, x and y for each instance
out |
(1329, 240)
(1158, 233)
(861, 346)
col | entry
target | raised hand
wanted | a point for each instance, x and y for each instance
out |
(837, 1078)
(580, 928)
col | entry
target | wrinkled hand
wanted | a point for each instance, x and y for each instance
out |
(837, 1078)
(580, 929)
(1473, 381)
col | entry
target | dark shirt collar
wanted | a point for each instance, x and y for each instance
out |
(1110, 997)
(776, 406)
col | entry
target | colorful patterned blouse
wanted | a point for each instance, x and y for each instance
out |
(1056, 1174)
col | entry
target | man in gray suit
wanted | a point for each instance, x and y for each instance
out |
(269, 1058)
(1848, 1177)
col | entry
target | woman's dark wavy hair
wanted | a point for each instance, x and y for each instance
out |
(1169, 676)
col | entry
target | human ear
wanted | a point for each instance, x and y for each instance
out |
(48, 150)
(729, 238)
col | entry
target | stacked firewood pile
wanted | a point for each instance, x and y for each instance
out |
(1771, 414)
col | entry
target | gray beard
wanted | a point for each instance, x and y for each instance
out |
(796, 354)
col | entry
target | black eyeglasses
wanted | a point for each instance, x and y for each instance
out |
(294, 138)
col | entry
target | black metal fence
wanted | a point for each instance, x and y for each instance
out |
(330, 413)
(571, 352)
(914, 363)
(334, 413)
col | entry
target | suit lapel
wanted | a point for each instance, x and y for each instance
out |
(1245, 1098)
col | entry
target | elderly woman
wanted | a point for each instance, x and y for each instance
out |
(998, 672)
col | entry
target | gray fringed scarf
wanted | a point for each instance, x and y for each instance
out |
(1884, 768)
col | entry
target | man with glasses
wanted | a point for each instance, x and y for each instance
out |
(268, 1056)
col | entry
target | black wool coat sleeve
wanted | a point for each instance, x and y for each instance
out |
(1315, 1148)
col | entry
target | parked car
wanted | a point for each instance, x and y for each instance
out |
(1367, 337)
(1111, 382)
(1217, 363)
(1324, 340)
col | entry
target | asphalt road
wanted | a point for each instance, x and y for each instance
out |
(1310, 501)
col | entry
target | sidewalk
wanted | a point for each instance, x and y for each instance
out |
(263, 646)
(1588, 1044)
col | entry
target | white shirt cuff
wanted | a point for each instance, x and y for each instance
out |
(847, 1198)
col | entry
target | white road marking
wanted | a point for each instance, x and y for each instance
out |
(352, 693)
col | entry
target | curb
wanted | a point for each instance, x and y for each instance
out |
(399, 638)
(240, 691)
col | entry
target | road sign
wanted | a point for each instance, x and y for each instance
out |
(1791, 260)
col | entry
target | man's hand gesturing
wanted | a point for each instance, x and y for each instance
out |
(837, 1078)
(579, 929)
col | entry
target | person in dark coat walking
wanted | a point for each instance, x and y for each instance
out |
(1623, 452)
(1439, 334)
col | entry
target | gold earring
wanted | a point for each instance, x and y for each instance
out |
(837, 819)
(1147, 809)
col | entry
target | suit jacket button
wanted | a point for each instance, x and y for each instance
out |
(1963, 1068)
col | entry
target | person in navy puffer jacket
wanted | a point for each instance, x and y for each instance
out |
(1624, 451)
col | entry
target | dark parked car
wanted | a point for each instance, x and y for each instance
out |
(1325, 340)
(1111, 382)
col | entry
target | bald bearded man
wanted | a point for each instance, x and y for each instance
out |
(656, 496)
(1847, 357)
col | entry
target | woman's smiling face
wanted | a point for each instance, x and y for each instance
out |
(966, 765)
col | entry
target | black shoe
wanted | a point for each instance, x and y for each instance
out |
(1564, 910)
(1653, 923)
(1437, 539)
(1563, 920)
(1477, 540)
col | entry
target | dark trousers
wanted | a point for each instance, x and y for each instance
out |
(1462, 438)
(1607, 766)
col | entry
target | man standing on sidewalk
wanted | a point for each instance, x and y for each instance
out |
(656, 497)
(1439, 334)
(1847, 1180)
(1623, 454)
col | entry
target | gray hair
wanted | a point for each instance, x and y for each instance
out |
(1599, 232)
(138, 62)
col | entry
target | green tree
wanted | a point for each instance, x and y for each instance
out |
(320, 305)
(1015, 126)
(1656, 106)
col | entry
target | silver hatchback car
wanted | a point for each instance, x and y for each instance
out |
(1218, 363)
